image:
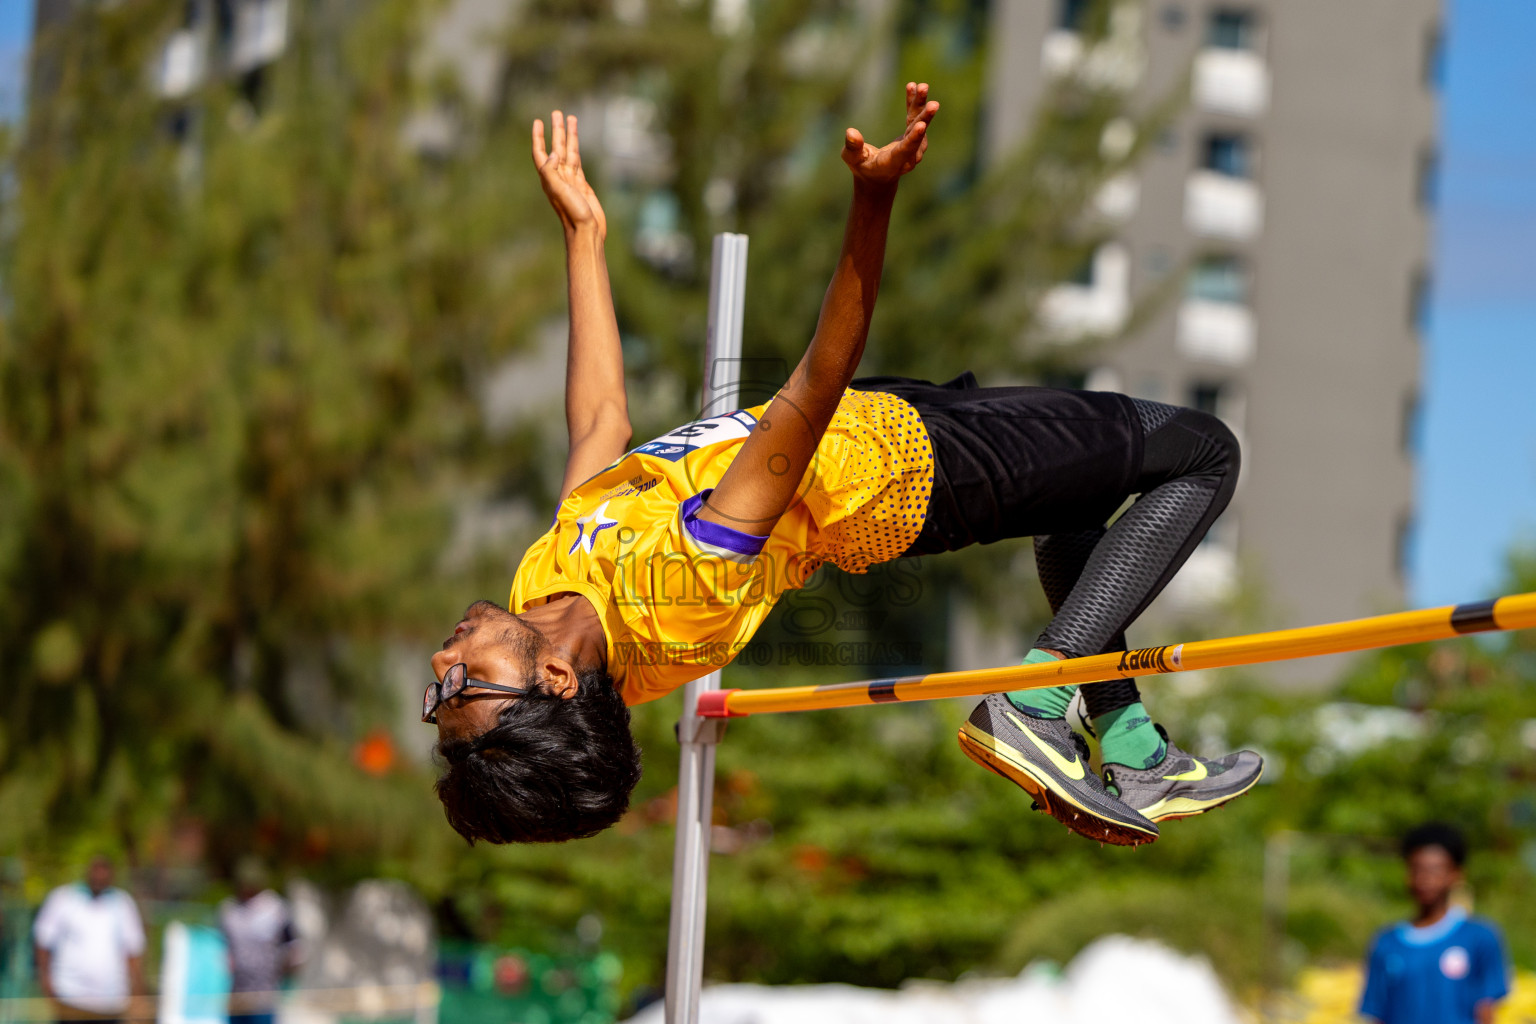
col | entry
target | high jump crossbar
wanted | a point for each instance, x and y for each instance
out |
(1517, 611)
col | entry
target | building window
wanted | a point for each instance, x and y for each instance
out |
(1419, 291)
(1230, 29)
(1083, 273)
(1206, 396)
(224, 22)
(1228, 153)
(1072, 15)
(1412, 424)
(1402, 554)
(179, 124)
(1433, 70)
(1218, 279)
(1426, 186)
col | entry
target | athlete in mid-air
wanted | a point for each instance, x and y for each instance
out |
(662, 558)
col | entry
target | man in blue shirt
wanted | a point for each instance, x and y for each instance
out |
(1443, 967)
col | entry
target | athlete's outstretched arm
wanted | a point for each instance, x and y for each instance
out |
(596, 408)
(761, 482)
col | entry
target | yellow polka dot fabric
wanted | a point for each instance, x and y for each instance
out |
(875, 475)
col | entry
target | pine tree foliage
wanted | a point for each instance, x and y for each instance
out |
(238, 411)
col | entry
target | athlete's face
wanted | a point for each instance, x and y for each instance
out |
(496, 647)
(99, 875)
(1432, 874)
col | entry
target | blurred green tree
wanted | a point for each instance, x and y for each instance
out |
(237, 418)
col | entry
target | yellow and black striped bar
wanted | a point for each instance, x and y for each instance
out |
(1518, 611)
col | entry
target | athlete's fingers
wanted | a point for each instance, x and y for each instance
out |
(915, 137)
(540, 154)
(557, 144)
(853, 139)
(573, 144)
(917, 99)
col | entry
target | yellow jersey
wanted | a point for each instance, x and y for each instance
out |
(679, 596)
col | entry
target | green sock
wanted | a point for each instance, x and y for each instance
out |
(1048, 703)
(1128, 736)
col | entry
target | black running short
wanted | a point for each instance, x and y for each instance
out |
(1019, 461)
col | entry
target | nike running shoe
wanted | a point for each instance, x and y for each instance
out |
(1184, 785)
(1049, 761)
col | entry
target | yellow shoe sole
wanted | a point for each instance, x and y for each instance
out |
(995, 756)
(1174, 808)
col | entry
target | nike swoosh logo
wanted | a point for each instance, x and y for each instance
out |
(1072, 769)
(1195, 774)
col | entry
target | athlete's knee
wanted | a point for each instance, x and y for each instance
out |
(1221, 454)
(1153, 415)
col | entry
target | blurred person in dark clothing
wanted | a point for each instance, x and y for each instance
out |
(1443, 966)
(89, 946)
(258, 930)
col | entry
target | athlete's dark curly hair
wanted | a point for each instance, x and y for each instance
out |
(1435, 833)
(550, 769)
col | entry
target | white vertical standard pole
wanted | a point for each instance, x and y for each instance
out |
(698, 736)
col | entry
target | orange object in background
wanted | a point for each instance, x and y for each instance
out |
(375, 753)
(812, 860)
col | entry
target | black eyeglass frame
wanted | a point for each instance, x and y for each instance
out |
(455, 681)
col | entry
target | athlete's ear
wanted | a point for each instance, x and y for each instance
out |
(558, 676)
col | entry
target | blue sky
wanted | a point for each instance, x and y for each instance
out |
(15, 30)
(1477, 472)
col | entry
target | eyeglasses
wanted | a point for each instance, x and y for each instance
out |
(455, 681)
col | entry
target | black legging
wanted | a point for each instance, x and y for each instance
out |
(1055, 465)
(1098, 581)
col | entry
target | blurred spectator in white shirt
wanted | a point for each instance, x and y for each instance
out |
(259, 932)
(89, 945)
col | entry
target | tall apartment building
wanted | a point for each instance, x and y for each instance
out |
(1295, 192)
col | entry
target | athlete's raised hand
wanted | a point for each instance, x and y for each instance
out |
(886, 165)
(561, 175)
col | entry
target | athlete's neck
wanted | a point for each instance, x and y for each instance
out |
(573, 628)
(1432, 913)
